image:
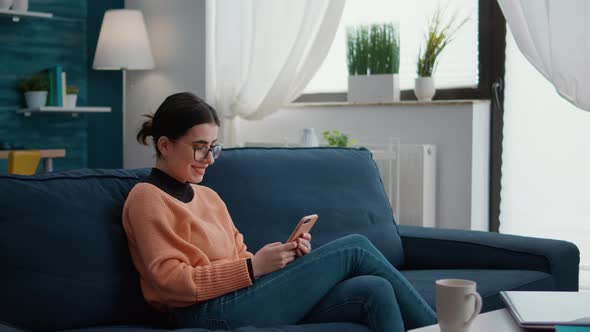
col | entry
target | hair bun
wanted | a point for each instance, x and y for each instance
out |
(147, 129)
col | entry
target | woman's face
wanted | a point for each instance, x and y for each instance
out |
(179, 155)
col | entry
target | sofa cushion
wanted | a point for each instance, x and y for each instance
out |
(489, 283)
(65, 261)
(267, 191)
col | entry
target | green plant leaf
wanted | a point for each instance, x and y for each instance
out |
(373, 49)
(338, 139)
(71, 89)
(36, 82)
(437, 37)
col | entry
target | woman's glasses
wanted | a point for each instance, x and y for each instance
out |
(201, 152)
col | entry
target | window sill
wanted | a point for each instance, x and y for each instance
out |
(454, 94)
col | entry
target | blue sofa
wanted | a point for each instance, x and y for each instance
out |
(66, 266)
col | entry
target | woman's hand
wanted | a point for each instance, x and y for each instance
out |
(273, 257)
(303, 244)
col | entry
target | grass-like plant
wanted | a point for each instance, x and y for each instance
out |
(438, 36)
(373, 49)
(72, 89)
(37, 82)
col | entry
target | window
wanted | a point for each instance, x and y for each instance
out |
(545, 182)
(458, 65)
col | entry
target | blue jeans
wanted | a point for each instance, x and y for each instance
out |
(347, 280)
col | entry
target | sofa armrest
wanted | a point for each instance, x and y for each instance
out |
(435, 248)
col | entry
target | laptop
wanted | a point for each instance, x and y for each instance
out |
(544, 310)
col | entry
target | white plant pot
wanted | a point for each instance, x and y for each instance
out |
(20, 5)
(424, 88)
(5, 4)
(381, 88)
(36, 99)
(71, 100)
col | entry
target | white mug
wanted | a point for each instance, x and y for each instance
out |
(457, 304)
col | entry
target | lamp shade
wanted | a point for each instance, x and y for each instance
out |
(123, 42)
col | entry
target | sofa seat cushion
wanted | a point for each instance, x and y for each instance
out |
(325, 327)
(489, 283)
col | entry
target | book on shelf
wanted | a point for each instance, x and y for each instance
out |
(57, 93)
(63, 88)
(56, 86)
(50, 97)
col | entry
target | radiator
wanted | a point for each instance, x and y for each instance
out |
(410, 182)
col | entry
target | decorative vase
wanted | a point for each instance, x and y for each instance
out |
(71, 100)
(424, 88)
(310, 139)
(36, 99)
(20, 5)
(5, 4)
(380, 88)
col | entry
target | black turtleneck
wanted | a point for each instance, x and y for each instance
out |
(181, 191)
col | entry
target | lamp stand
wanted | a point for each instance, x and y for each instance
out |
(124, 114)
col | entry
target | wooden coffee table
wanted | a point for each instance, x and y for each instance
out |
(493, 321)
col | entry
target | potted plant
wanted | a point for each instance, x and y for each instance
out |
(35, 89)
(71, 96)
(438, 36)
(373, 55)
(338, 139)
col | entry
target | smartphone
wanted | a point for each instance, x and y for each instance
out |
(303, 226)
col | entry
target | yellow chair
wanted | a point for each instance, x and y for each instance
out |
(23, 162)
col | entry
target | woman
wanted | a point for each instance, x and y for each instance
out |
(193, 261)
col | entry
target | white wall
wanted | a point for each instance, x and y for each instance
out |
(177, 34)
(459, 130)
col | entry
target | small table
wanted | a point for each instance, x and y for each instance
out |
(46, 155)
(493, 321)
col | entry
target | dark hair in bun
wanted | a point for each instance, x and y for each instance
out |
(177, 114)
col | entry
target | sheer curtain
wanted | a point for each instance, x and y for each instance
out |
(545, 161)
(554, 36)
(262, 53)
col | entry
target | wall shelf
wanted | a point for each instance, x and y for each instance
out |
(63, 110)
(16, 15)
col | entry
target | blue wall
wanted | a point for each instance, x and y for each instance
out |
(68, 39)
(105, 131)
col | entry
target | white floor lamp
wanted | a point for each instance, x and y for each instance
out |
(123, 44)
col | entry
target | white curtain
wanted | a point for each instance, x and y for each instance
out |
(262, 53)
(554, 36)
(546, 144)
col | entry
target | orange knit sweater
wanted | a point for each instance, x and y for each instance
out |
(184, 252)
